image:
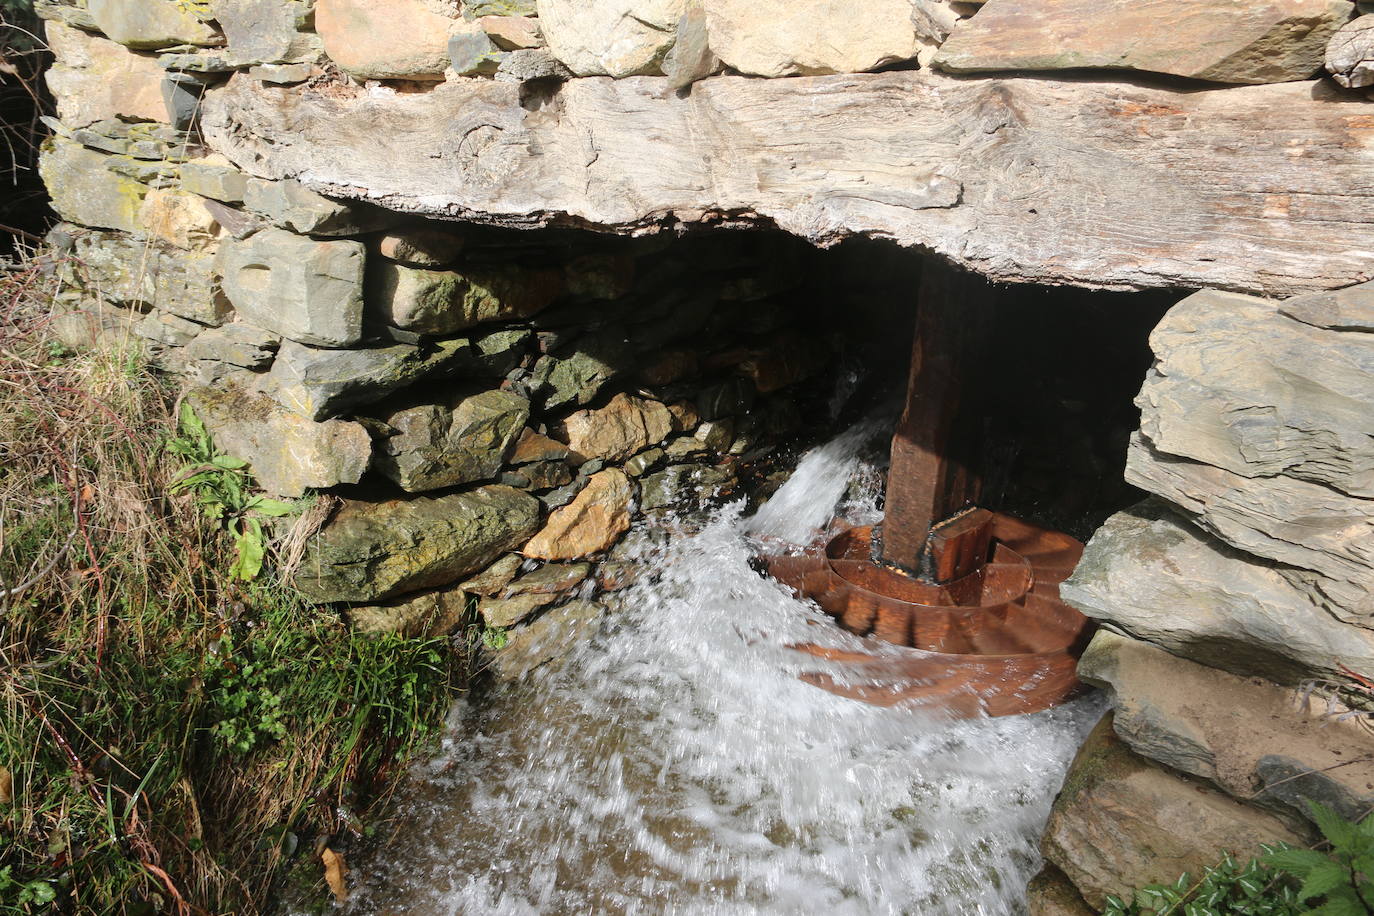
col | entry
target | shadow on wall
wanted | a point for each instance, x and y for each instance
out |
(24, 211)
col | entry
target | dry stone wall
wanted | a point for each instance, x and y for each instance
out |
(290, 205)
(489, 412)
(1235, 602)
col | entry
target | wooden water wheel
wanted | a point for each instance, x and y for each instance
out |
(959, 606)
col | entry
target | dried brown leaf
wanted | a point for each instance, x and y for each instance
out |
(6, 786)
(335, 874)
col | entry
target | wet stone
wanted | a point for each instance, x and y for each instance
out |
(430, 614)
(495, 577)
(644, 462)
(685, 486)
(726, 399)
(533, 447)
(591, 523)
(507, 612)
(550, 637)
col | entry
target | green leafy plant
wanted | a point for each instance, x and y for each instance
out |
(495, 638)
(1284, 881)
(19, 896)
(1225, 889)
(223, 490)
(1338, 880)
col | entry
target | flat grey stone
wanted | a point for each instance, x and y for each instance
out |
(304, 289)
(1152, 575)
(322, 383)
(291, 205)
(151, 273)
(151, 24)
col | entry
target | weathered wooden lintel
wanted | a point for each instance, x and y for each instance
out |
(1263, 189)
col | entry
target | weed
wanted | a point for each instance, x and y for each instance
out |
(1226, 889)
(223, 491)
(1284, 881)
(1342, 878)
(494, 638)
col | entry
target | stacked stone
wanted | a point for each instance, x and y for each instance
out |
(1234, 602)
(492, 410)
(1270, 41)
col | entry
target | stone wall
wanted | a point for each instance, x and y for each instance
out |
(487, 411)
(1235, 602)
(290, 204)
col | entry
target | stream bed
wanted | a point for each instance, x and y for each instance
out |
(675, 763)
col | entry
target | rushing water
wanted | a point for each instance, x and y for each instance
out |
(676, 764)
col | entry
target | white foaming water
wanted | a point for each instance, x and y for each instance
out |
(804, 505)
(676, 764)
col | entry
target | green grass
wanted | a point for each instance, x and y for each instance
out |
(173, 738)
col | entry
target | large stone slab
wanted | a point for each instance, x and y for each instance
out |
(322, 383)
(1269, 446)
(1231, 730)
(1261, 404)
(1266, 41)
(374, 549)
(387, 39)
(1122, 822)
(610, 37)
(445, 444)
(1036, 180)
(287, 453)
(1323, 537)
(84, 189)
(445, 301)
(1151, 575)
(304, 289)
(95, 79)
(151, 24)
(808, 37)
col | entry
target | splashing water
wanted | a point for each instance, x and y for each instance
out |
(676, 764)
(806, 502)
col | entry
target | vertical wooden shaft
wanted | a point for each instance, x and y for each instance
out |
(934, 473)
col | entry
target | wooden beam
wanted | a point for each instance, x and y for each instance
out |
(935, 470)
(1264, 189)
